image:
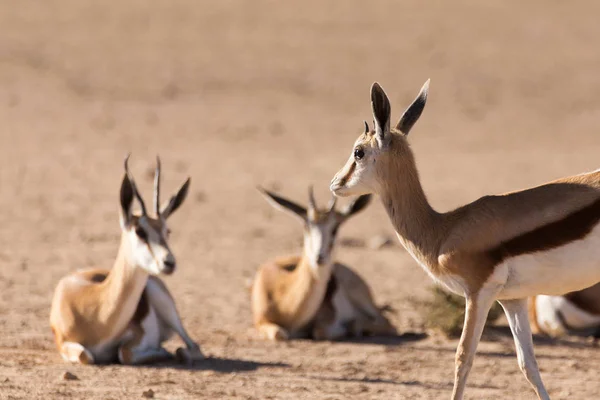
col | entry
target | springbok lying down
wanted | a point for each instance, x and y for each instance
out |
(543, 240)
(574, 313)
(311, 295)
(124, 314)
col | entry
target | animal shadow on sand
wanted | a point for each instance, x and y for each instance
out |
(387, 340)
(503, 335)
(498, 333)
(217, 364)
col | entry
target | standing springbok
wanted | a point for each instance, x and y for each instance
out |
(311, 295)
(505, 247)
(574, 313)
(124, 314)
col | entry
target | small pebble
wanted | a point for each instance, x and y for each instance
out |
(149, 394)
(67, 376)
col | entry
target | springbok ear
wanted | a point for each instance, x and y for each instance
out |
(284, 205)
(357, 205)
(381, 114)
(413, 112)
(176, 200)
(126, 197)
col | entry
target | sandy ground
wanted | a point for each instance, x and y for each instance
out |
(237, 94)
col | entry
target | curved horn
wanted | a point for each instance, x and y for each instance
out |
(134, 187)
(311, 198)
(367, 129)
(157, 187)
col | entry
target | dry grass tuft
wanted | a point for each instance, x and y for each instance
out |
(445, 312)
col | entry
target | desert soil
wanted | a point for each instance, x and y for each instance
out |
(237, 94)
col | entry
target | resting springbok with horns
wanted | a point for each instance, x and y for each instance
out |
(311, 295)
(124, 314)
(505, 247)
(574, 313)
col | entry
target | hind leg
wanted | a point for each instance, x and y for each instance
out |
(161, 301)
(516, 313)
(76, 353)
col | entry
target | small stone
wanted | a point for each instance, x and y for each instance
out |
(379, 242)
(148, 394)
(67, 376)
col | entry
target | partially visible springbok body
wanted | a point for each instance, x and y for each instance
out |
(311, 295)
(124, 314)
(574, 313)
(544, 240)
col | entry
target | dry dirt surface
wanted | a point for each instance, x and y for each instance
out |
(237, 94)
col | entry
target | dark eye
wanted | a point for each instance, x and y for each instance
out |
(141, 233)
(359, 153)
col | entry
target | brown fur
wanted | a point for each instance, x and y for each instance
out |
(292, 298)
(472, 239)
(94, 310)
(280, 293)
(88, 313)
(587, 300)
(462, 248)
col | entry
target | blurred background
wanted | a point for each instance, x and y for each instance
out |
(237, 94)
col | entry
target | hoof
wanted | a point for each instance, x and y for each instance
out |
(280, 335)
(189, 356)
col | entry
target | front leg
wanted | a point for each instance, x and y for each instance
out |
(161, 301)
(477, 308)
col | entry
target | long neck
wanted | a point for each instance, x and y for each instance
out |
(419, 227)
(306, 290)
(123, 287)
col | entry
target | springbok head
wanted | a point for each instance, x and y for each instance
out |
(146, 236)
(377, 149)
(320, 224)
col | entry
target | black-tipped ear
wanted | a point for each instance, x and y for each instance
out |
(381, 112)
(357, 205)
(126, 197)
(283, 204)
(176, 200)
(413, 112)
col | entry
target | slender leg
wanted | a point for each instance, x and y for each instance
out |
(164, 305)
(516, 313)
(76, 353)
(273, 331)
(477, 309)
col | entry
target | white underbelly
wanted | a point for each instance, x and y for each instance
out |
(564, 269)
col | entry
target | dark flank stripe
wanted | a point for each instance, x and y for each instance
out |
(573, 227)
(589, 304)
(346, 178)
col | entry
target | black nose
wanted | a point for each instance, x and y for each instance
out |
(169, 267)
